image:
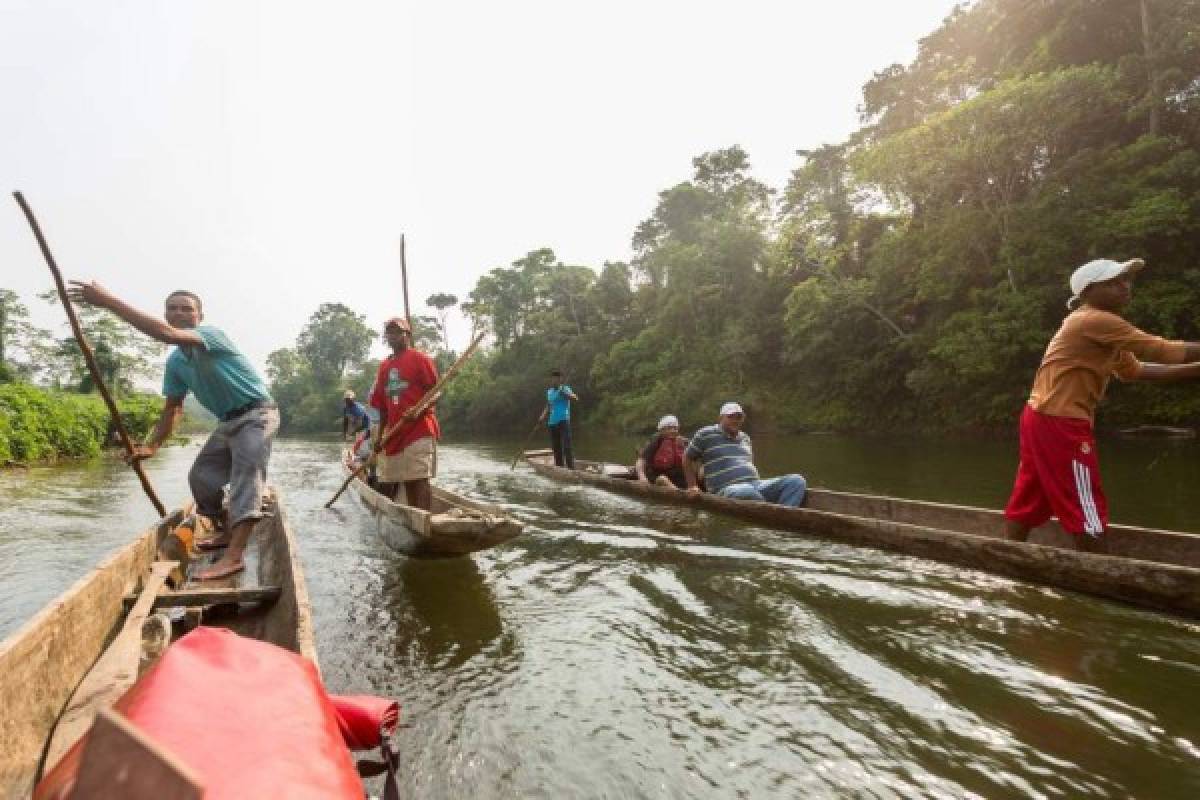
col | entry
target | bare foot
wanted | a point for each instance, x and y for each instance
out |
(221, 569)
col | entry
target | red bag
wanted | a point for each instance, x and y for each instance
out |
(249, 718)
(365, 720)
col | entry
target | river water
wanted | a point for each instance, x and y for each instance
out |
(618, 649)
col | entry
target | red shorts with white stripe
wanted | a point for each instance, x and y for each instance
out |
(1059, 475)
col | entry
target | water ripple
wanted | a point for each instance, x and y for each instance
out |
(619, 649)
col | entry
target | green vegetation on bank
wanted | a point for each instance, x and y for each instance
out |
(42, 424)
(904, 279)
(62, 417)
(907, 278)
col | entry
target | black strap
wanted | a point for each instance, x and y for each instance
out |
(390, 765)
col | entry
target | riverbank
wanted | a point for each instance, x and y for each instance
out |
(44, 425)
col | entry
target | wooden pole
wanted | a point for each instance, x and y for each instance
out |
(525, 444)
(404, 282)
(416, 411)
(88, 356)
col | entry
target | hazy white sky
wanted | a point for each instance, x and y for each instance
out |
(267, 155)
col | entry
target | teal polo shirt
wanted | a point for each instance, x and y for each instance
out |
(219, 375)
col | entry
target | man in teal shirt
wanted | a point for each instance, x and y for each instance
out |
(206, 363)
(558, 409)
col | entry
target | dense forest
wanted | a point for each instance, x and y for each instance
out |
(906, 278)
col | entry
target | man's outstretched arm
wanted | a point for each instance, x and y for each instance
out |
(1168, 373)
(94, 294)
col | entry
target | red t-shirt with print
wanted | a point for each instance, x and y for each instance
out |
(400, 384)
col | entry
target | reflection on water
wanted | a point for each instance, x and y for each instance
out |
(443, 612)
(624, 650)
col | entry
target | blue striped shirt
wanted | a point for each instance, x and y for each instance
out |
(726, 460)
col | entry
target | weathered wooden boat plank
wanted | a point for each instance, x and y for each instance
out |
(113, 673)
(42, 662)
(1153, 584)
(458, 525)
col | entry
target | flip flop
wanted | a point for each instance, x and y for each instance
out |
(212, 573)
(208, 545)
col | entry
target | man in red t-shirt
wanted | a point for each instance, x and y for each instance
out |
(411, 456)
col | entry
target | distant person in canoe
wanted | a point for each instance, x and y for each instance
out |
(661, 460)
(207, 364)
(410, 457)
(557, 415)
(1059, 473)
(725, 452)
(354, 416)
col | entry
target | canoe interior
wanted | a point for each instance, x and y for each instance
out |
(43, 662)
(1125, 541)
(1170, 582)
(457, 526)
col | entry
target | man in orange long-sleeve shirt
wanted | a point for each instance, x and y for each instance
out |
(1059, 473)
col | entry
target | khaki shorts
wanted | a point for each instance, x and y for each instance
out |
(416, 462)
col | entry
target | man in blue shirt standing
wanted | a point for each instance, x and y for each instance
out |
(354, 416)
(558, 408)
(728, 458)
(206, 363)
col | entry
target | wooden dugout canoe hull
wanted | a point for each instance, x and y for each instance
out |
(43, 662)
(441, 534)
(1150, 568)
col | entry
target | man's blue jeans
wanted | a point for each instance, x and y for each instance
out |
(786, 490)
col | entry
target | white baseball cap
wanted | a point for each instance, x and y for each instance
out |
(669, 421)
(348, 394)
(1098, 271)
(731, 408)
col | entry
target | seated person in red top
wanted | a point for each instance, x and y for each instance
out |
(661, 460)
(410, 456)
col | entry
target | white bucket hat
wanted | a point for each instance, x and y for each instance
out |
(731, 408)
(348, 394)
(669, 421)
(1098, 271)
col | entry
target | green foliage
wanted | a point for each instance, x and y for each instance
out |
(38, 424)
(122, 353)
(334, 341)
(19, 340)
(330, 356)
(911, 275)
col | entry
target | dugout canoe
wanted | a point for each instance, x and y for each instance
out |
(457, 526)
(75, 656)
(1151, 568)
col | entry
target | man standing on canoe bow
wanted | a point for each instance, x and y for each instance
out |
(411, 456)
(1059, 473)
(206, 363)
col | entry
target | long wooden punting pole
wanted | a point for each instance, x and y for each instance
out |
(404, 281)
(417, 410)
(525, 444)
(88, 356)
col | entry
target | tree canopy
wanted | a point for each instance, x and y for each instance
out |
(907, 277)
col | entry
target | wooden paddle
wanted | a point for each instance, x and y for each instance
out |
(404, 282)
(525, 444)
(89, 357)
(415, 412)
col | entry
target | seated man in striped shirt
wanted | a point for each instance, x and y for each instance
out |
(728, 460)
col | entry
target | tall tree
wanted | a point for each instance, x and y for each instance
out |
(442, 303)
(334, 340)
